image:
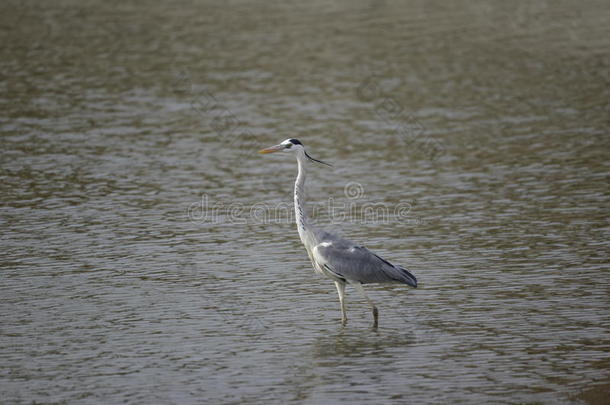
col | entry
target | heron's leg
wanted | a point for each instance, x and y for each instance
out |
(341, 290)
(358, 286)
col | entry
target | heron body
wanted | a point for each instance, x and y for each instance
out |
(337, 258)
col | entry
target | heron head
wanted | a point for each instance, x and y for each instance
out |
(293, 146)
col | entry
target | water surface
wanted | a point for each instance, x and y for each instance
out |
(148, 253)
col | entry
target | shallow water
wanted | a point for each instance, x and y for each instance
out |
(148, 253)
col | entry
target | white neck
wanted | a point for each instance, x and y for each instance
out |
(302, 220)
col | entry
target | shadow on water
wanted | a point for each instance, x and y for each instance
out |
(359, 342)
(349, 355)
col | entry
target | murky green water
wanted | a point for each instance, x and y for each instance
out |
(147, 250)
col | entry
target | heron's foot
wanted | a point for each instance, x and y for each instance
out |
(375, 318)
(343, 320)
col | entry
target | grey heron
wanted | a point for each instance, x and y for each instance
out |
(337, 258)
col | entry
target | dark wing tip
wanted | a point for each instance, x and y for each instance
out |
(409, 278)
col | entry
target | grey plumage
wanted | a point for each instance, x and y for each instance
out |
(337, 258)
(356, 263)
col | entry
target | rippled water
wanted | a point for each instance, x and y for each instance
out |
(148, 254)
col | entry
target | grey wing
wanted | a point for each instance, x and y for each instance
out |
(358, 264)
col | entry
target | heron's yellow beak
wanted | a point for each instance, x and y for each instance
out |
(272, 149)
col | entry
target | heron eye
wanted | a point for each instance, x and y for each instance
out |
(289, 146)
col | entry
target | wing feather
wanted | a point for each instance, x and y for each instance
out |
(358, 264)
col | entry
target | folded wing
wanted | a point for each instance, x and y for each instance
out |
(358, 264)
